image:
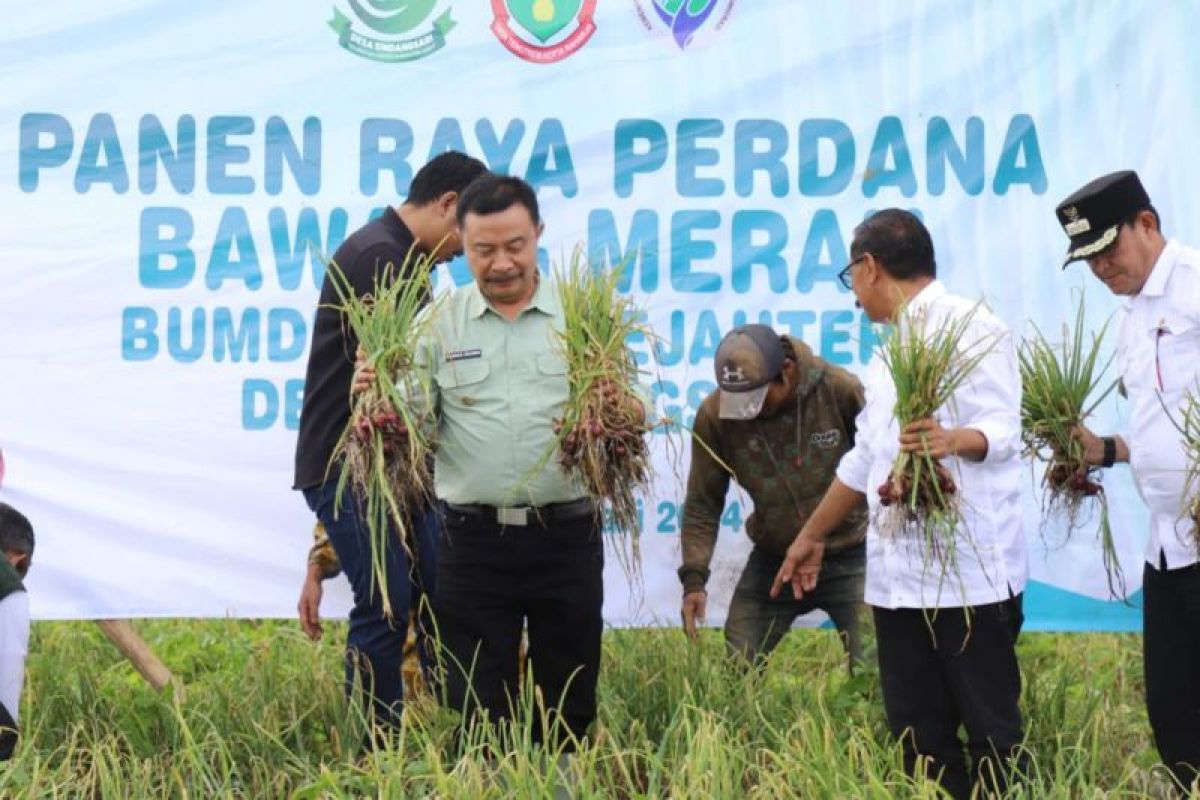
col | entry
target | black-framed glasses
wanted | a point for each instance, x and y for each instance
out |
(844, 275)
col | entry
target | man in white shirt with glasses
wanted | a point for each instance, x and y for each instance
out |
(946, 629)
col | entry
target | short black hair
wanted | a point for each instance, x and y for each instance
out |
(1132, 218)
(16, 534)
(491, 194)
(451, 171)
(789, 354)
(899, 241)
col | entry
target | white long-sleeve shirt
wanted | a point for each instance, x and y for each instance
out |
(991, 552)
(1158, 355)
(14, 646)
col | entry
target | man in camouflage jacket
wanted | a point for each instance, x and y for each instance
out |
(778, 425)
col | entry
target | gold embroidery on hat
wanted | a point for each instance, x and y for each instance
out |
(1104, 241)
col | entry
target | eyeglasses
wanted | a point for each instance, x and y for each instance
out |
(844, 275)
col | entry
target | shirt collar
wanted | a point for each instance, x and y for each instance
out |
(390, 219)
(545, 300)
(545, 297)
(928, 295)
(1160, 273)
(476, 304)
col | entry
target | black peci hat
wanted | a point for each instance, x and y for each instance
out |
(1092, 216)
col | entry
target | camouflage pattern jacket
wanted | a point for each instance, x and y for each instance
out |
(784, 463)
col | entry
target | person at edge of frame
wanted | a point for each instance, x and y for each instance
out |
(1113, 226)
(16, 556)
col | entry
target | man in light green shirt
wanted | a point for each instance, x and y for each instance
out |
(498, 382)
(522, 543)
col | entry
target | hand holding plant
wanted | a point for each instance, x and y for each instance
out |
(384, 453)
(1061, 385)
(601, 434)
(928, 362)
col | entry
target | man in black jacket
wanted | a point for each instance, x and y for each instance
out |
(425, 224)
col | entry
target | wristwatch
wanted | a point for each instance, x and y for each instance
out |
(1110, 451)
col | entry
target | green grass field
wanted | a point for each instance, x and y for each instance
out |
(264, 716)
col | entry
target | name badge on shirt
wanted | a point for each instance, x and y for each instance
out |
(463, 355)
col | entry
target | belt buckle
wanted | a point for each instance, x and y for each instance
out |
(508, 515)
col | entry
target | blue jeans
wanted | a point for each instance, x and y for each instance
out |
(375, 644)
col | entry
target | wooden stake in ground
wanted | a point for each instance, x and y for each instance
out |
(121, 633)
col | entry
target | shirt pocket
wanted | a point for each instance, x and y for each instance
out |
(461, 382)
(1176, 355)
(552, 369)
(549, 388)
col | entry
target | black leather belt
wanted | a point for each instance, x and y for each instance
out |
(527, 515)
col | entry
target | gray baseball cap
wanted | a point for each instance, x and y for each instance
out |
(748, 359)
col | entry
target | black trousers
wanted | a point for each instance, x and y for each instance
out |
(492, 582)
(8, 734)
(950, 668)
(1171, 642)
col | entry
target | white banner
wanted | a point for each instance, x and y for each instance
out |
(171, 175)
